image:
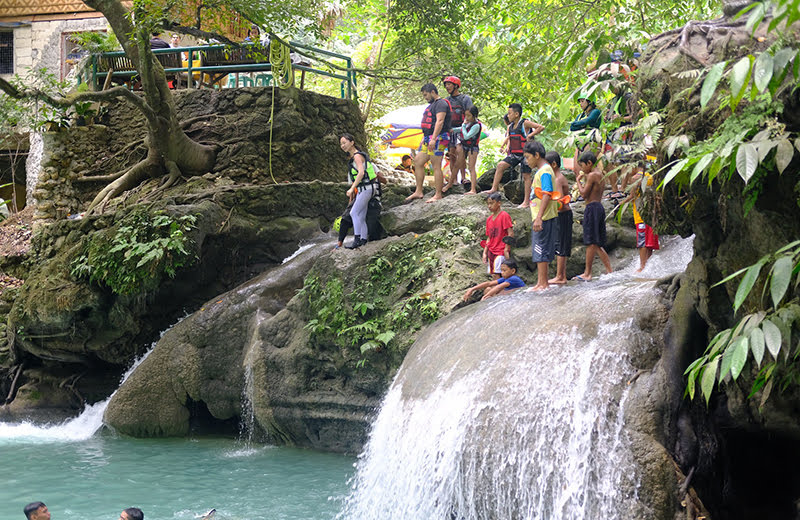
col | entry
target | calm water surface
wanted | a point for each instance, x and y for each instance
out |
(95, 478)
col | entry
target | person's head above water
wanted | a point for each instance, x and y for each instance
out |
(132, 513)
(36, 511)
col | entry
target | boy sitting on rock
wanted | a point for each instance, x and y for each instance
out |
(506, 283)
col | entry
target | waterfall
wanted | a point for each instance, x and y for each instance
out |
(82, 427)
(515, 408)
(296, 266)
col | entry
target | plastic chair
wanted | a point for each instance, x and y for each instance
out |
(263, 80)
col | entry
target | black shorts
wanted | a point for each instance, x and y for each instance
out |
(514, 159)
(564, 240)
(594, 224)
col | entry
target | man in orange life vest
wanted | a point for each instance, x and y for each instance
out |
(519, 131)
(435, 140)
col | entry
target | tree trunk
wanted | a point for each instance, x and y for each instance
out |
(169, 148)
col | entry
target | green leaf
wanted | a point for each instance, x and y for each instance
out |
(797, 141)
(740, 78)
(740, 348)
(745, 10)
(783, 154)
(719, 342)
(369, 345)
(746, 285)
(734, 275)
(755, 18)
(757, 344)
(695, 364)
(772, 337)
(763, 148)
(674, 171)
(701, 165)
(709, 376)
(727, 359)
(762, 71)
(746, 161)
(711, 82)
(781, 276)
(385, 337)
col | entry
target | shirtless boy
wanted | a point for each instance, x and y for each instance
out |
(590, 183)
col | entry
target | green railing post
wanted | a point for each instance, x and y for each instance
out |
(94, 72)
(189, 77)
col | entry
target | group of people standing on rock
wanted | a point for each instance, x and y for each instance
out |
(451, 125)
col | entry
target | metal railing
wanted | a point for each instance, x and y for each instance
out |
(209, 65)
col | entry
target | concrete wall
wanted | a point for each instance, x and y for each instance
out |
(39, 45)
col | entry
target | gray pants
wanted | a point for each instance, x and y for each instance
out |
(359, 211)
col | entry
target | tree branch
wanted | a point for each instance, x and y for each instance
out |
(78, 97)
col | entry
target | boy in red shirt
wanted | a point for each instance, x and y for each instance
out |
(498, 226)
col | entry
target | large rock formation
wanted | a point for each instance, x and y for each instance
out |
(319, 367)
(733, 228)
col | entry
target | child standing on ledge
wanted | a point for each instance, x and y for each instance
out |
(590, 183)
(564, 239)
(543, 212)
(498, 226)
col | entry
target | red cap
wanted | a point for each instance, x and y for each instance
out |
(452, 79)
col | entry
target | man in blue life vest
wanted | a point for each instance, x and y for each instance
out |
(436, 138)
(459, 104)
(520, 130)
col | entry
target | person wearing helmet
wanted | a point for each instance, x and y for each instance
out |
(587, 123)
(459, 104)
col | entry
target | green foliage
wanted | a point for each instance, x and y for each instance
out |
(759, 79)
(22, 115)
(97, 41)
(767, 330)
(382, 305)
(743, 142)
(504, 51)
(134, 257)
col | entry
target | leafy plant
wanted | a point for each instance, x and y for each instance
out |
(758, 332)
(134, 257)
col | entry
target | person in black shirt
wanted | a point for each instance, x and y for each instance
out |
(436, 138)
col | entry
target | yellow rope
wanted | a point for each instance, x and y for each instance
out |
(282, 77)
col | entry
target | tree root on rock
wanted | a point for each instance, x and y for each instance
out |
(682, 35)
(13, 388)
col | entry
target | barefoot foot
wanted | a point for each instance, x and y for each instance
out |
(414, 196)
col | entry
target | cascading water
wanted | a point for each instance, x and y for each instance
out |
(299, 261)
(82, 427)
(515, 409)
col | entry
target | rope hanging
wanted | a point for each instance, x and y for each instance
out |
(282, 77)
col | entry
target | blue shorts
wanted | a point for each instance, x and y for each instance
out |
(442, 142)
(544, 241)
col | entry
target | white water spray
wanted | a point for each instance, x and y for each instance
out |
(82, 427)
